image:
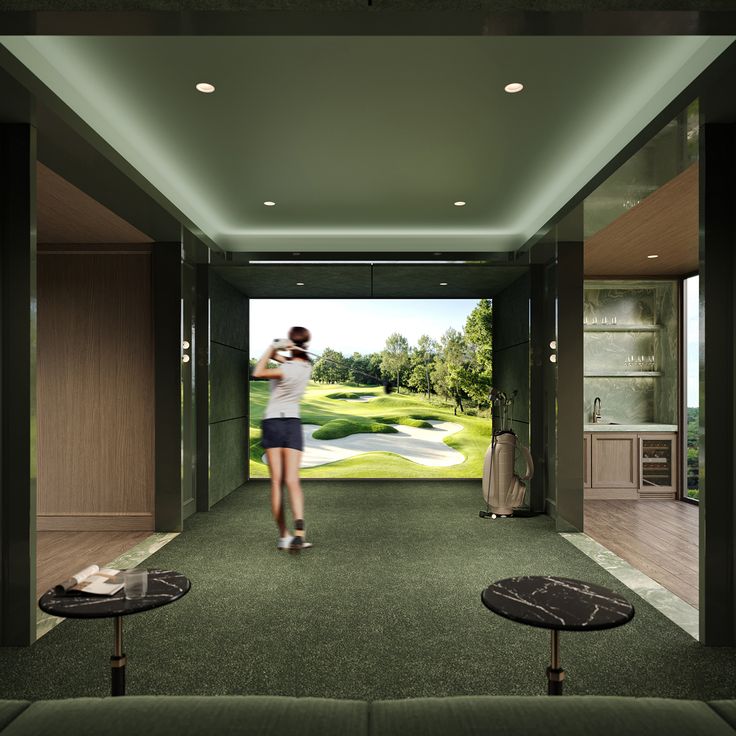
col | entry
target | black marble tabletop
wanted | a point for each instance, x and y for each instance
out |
(164, 586)
(557, 603)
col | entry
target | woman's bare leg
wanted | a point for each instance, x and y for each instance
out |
(276, 470)
(292, 461)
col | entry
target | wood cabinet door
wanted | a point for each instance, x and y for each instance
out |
(614, 460)
(586, 460)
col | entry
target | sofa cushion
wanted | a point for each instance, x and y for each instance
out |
(726, 709)
(553, 716)
(10, 709)
(186, 716)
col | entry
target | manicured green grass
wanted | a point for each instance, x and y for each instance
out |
(406, 421)
(336, 428)
(408, 409)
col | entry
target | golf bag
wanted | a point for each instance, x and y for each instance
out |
(502, 489)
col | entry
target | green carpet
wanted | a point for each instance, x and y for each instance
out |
(386, 605)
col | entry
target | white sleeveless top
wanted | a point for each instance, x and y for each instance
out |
(287, 391)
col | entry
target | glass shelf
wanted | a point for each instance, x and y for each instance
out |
(622, 374)
(622, 328)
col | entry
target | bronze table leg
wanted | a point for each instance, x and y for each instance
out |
(117, 661)
(555, 673)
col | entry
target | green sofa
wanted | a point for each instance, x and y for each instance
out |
(282, 716)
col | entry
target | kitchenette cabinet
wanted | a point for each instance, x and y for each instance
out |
(630, 464)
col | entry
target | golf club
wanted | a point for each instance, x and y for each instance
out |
(387, 387)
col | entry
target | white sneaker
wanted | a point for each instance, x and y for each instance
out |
(299, 543)
(284, 542)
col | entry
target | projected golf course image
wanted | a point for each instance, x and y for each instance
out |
(386, 436)
(399, 388)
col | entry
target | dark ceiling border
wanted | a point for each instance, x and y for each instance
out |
(369, 22)
(356, 22)
(511, 258)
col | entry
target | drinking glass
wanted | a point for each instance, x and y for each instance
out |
(135, 582)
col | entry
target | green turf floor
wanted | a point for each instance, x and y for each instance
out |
(386, 605)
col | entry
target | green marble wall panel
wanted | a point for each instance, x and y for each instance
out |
(650, 310)
(228, 383)
(623, 400)
(228, 314)
(228, 457)
(667, 351)
(511, 353)
(511, 314)
(228, 388)
(511, 373)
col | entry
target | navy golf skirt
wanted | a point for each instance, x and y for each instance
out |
(286, 432)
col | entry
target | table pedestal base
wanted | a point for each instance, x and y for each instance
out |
(555, 673)
(117, 675)
(118, 661)
(555, 677)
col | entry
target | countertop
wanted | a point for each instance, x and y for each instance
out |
(629, 427)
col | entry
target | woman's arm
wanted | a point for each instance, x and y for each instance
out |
(262, 370)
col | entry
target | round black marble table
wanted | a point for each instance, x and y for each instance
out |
(558, 604)
(164, 587)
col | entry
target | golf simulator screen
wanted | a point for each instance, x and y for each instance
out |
(398, 388)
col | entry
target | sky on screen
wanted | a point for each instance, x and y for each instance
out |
(354, 325)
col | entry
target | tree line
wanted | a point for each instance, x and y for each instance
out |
(455, 366)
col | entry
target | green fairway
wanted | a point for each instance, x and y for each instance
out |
(322, 404)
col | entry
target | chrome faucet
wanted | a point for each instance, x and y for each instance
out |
(596, 410)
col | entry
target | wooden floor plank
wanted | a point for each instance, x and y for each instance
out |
(61, 554)
(657, 549)
(658, 537)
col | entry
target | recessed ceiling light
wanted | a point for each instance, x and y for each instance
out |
(654, 255)
(296, 254)
(514, 87)
(269, 203)
(205, 87)
(443, 283)
(438, 254)
(300, 283)
(459, 203)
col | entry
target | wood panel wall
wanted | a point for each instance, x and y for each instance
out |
(95, 390)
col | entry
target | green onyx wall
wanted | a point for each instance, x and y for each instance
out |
(228, 389)
(651, 306)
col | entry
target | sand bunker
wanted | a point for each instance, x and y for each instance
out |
(420, 445)
(362, 398)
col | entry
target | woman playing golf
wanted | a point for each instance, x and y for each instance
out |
(282, 430)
